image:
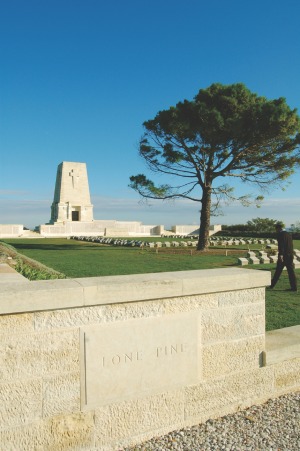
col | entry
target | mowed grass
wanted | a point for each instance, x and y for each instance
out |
(83, 259)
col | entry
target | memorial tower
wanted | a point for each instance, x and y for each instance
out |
(72, 200)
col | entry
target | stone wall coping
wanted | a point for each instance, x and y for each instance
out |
(82, 292)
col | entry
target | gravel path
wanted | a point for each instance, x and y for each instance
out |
(272, 426)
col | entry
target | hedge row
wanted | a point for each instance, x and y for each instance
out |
(252, 234)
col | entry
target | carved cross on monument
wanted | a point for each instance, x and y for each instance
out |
(75, 177)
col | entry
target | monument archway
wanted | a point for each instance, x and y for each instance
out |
(75, 215)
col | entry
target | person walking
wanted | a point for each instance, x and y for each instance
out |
(285, 257)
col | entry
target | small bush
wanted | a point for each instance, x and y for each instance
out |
(33, 273)
(29, 268)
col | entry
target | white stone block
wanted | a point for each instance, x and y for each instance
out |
(254, 260)
(39, 354)
(26, 437)
(232, 356)
(265, 259)
(154, 354)
(69, 432)
(241, 297)
(234, 391)
(287, 375)
(233, 322)
(20, 402)
(122, 422)
(12, 323)
(61, 395)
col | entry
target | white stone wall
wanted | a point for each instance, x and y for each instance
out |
(193, 230)
(46, 325)
(100, 228)
(10, 230)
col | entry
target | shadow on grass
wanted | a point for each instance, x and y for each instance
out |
(54, 247)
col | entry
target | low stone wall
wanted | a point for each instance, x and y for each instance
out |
(193, 230)
(71, 228)
(11, 230)
(100, 228)
(102, 363)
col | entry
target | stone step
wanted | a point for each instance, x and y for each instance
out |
(282, 344)
(30, 234)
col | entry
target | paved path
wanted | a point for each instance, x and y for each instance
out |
(10, 275)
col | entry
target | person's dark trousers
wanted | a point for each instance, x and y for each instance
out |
(288, 262)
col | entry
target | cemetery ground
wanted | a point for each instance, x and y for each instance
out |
(74, 259)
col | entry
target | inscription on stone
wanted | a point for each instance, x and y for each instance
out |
(132, 358)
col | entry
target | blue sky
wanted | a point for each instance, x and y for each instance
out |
(79, 77)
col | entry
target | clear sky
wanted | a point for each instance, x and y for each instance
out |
(79, 77)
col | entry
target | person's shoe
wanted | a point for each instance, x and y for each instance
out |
(293, 289)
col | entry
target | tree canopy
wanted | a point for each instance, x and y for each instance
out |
(262, 224)
(226, 131)
(295, 227)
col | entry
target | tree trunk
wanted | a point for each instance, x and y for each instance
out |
(203, 241)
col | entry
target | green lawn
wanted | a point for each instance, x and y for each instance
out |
(84, 259)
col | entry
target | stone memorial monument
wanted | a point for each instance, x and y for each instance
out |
(72, 200)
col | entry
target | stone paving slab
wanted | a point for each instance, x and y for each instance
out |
(9, 274)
